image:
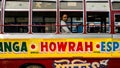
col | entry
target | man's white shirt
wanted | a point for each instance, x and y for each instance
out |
(64, 27)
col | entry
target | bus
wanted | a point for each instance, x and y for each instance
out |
(31, 37)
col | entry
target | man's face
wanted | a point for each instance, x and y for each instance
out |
(64, 17)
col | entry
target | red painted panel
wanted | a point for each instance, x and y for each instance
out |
(48, 63)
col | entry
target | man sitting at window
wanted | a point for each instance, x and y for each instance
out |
(64, 28)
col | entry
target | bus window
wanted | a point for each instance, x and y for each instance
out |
(44, 4)
(37, 20)
(16, 22)
(74, 22)
(71, 5)
(44, 22)
(17, 4)
(117, 23)
(77, 24)
(50, 24)
(16, 16)
(116, 5)
(97, 22)
(75, 18)
(32, 65)
(44, 16)
(0, 5)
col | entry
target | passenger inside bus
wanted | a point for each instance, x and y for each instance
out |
(64, 28)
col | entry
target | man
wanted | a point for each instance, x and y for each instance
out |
(64, 28)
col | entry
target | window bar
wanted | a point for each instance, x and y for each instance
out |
(57, 17)
(111, 18)
(30, 17)
(2, 16)
(0, 20)
(84, 19)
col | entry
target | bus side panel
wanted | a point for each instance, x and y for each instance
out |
(49, 63)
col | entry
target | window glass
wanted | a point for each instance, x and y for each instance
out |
(117, 23)
(38, 4)
(22, 20)
(0, 4)
(44, 22)
(73, 24)
(97, 0)
(97, 6)
(9, 19)
(50, 24)
(17, 4)
(97, 22)
(72, 5)
(34, 66)
(16, 22)
(116, 5)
